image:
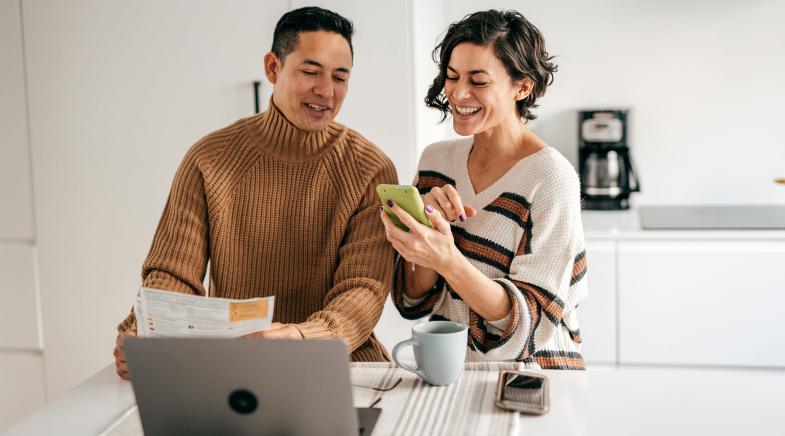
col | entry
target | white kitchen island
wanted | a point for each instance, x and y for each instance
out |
(625, 401)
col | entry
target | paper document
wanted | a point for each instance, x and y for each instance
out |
(172, 314)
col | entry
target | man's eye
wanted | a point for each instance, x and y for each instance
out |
(310, 73)
(340, 79)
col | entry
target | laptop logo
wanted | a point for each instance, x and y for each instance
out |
(243, 401)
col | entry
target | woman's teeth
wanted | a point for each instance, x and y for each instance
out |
(317, 107)
(467, 110)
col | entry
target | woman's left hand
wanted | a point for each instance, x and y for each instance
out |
(428, 247)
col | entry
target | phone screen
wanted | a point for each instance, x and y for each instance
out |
(525, 392)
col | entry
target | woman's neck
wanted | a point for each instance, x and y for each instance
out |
(509, 140)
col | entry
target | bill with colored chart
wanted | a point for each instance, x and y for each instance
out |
(173, 314)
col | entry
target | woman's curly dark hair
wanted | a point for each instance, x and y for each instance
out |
(515, 41)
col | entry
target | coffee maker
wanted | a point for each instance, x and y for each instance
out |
(607, 174)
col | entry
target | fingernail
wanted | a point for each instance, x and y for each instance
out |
(428, 208)
(462, 218)
(389, 203)
(381, 208)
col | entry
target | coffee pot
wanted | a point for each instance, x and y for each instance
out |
(608, 176)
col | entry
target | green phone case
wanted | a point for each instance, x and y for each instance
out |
(408, 198)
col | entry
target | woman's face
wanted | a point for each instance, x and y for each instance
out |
(480, 92)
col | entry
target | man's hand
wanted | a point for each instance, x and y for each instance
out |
(119, 355)
(278, 331)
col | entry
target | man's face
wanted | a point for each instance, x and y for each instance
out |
(311, 83)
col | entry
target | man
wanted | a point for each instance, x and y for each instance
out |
(283, 203)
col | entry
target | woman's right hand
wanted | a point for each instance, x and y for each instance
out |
(446, 200)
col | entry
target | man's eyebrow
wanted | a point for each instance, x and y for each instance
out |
(470, 72)
(312, 62)
(319, 65)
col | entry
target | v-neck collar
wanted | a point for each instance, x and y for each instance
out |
(463, 183)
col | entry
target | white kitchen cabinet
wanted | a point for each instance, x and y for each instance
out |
(19, 297)
(702, 302)
(21, 386)
(597, 314)
(16, 213)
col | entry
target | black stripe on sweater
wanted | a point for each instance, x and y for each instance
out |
(515, 215)
(487, 243)
(426, 188)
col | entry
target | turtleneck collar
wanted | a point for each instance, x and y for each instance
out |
(281, 139)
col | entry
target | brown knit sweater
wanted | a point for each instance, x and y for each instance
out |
(284, 212)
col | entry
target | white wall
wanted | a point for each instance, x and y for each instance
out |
(703, 79)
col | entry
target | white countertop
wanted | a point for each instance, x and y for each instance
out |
(628, 401)
(625, 224)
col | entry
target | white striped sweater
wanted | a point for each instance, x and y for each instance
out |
(528, 237)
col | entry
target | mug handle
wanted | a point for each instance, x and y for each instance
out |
(397, 348)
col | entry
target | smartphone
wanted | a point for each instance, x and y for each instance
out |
(523, 391)
(408, 198)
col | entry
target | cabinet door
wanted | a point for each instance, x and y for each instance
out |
(16, 213)
(22, 381)
(597, 314)
(702, 302)
(18, 293)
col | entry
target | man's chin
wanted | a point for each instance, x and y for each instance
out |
(311, 125)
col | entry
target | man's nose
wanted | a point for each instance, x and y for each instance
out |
(324, 87)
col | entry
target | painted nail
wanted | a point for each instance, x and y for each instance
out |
(462, 218)
(389, 203)
(428, 208)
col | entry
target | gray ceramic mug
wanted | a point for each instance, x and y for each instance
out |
(439, 350)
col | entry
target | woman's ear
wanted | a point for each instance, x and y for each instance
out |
(272, 67)
(525, 87)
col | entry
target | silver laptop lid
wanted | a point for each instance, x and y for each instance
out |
(241, 386)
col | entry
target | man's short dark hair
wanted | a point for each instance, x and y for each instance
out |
(308, 19)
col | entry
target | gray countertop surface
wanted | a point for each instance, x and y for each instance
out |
(601, 224)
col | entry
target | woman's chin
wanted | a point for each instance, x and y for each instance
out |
(463, 129)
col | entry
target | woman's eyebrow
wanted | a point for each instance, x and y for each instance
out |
(471, 73)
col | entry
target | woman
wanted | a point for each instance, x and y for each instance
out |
(512, 263)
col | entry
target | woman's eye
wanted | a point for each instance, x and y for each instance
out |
(479, 83)
(451, 79)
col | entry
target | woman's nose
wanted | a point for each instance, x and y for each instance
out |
(461, 90)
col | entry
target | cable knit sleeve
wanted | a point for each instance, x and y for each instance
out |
(355, 302)
(178, 256)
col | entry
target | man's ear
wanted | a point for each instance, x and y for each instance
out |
(525, 87)
(272, 67)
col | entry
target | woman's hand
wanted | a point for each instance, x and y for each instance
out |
(447, 201)
(432, 248)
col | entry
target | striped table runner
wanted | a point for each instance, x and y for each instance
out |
(465, 407)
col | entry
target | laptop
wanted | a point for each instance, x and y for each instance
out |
(244, 387)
